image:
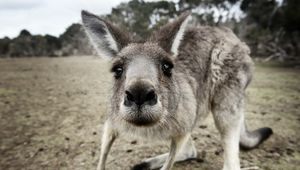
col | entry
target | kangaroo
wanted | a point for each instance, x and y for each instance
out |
(166, 84)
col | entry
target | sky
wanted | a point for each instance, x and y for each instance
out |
(46, 16)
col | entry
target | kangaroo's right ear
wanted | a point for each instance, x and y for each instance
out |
(106, 38)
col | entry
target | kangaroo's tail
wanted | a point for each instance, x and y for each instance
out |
(251, 139)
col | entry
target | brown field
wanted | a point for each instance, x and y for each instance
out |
(52, 110)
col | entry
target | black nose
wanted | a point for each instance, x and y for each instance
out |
(140, 96)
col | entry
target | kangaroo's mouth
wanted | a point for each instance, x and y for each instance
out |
(142, 120)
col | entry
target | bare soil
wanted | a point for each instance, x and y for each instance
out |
(52, 111)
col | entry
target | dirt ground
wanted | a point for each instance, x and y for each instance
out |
(52, 110)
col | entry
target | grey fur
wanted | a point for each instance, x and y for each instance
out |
(211, 72)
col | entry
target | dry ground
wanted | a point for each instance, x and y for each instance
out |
(52, 110)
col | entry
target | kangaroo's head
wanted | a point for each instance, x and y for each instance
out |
(144, 90)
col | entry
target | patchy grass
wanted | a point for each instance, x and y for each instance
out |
(4, 91)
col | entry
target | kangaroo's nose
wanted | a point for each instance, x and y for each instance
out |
(140, 95)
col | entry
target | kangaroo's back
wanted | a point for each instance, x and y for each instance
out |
(213, 57)
(213, 50)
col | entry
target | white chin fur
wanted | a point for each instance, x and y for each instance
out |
(155, 131)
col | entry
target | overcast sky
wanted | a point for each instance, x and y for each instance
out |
(46, 16)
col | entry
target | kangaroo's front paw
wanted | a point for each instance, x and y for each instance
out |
(141, 166)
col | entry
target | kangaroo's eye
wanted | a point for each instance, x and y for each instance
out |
(167, 68)
(118, 70)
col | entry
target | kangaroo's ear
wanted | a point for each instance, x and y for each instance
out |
(170, 35)
(106, 38)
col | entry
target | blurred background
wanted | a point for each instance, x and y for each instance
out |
(54, 90)
(51, 28)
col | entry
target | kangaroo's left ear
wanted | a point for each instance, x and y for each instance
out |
(107, 39)
(169, 36)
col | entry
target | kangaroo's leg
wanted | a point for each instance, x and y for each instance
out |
(176, 145)
(108, 138)
(227, 108)
(183, 148)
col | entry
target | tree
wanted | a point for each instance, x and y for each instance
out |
(141, 17)
(4, 46)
